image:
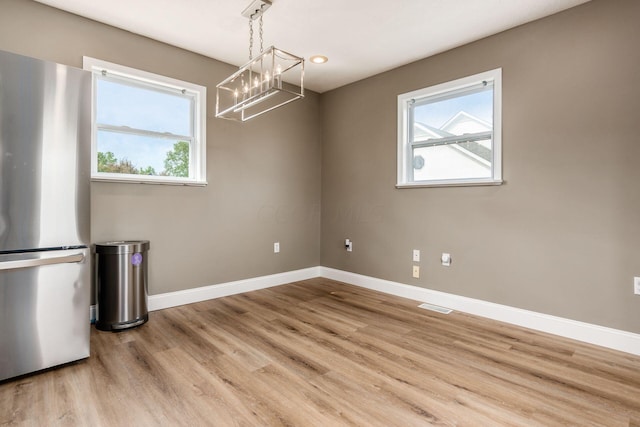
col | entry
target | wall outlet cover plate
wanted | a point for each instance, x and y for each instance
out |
(446, 259)
(416, 272)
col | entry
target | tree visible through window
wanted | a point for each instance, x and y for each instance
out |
(176, 163)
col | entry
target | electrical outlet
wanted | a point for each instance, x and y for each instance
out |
(416, 271)
(636, 285)
(416, 255)
(276, 247)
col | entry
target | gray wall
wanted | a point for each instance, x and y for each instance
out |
(264, 175)
(562, 235)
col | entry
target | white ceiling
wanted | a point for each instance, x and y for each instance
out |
(361, 38)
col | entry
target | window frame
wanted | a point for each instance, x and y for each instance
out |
(143, 79)
(405, 130)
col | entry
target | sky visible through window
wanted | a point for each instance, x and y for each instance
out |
(145, 109)
(437, 113)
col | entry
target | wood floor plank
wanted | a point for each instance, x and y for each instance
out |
(207, 394)
(324, 353)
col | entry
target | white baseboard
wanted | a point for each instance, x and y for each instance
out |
(586, 332)
(188, 296)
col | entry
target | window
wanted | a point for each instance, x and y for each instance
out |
(450, 134)
(146, 127)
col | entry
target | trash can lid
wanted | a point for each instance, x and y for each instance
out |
(122, 247)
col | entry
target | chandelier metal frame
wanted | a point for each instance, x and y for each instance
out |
(273, 79)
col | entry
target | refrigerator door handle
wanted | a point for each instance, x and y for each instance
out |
(37, 262)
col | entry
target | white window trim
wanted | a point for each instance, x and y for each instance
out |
(199, 177)
(404, 131)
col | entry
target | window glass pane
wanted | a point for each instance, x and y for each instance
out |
(142, 108)
(440, 117)
(466, 113)
(136, 154)
(465, 160)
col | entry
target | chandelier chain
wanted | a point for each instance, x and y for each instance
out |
(250, 39)
(261, 41)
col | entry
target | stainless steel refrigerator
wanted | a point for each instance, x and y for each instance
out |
(44, 214)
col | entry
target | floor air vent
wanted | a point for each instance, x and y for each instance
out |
(435, 308)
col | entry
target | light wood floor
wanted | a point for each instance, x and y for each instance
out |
(322, 353)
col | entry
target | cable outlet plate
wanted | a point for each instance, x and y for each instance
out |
(416, 255)
(416, 271)
(445, 259)
(636, 285)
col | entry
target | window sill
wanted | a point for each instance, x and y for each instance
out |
(449, 184)
(133, 180)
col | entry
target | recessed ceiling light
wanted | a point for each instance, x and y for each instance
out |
(318, 59)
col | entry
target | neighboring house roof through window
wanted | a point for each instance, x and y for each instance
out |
(460, 124)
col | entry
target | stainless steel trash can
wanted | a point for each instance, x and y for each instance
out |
(121, 280)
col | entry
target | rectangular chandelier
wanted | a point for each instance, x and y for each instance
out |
(264, 83)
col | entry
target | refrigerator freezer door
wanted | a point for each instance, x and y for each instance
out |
(45, 141)
(44, 310)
